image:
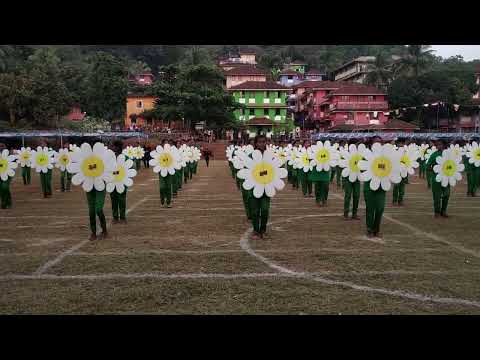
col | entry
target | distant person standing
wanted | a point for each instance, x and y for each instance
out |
(207, 154)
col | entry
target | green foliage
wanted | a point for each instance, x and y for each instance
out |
(88, 124)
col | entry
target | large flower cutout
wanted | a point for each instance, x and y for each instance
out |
(303, 161)
(165, 160)
(323, 156)
(473, 154)
(42, 159)
(24, 156)
(138, 152)
(92, 167)
(448, 168)
(129, 152)
(422, 149)
(196, 154)
(429, 152)
(62, 158)
(7, 165)
(263, 174)
(292, 156)
(381, 166)
(408, 160)
(122, 175)
(349, 161)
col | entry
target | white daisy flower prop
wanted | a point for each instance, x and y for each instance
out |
(303, 161)
(349, 161)
(73, 147)
(129, 152)
(422, 151)
(24, 156)
(239, 159)
(292, 156)
(473, 154)
(92, 167)
(323, 156)
(138, 152)
(122, 175)
(282, 155)
(263, 174)
(62, 158)
(408, 160)
(448, 168)
(381, 166)
(229, 152)
(165, 160)
(42, 159)
(7, 165)
(429, 152)
(196, 154)
(457, 150)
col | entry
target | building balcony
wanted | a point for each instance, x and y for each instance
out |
(378, 106)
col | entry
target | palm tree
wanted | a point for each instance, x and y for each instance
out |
(416, 59)
(379, 73)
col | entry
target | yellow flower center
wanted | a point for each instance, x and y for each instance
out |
(93, 166)
(406, 160)
(165, 160)
(25, 156)
(42, 159)
(476, 154)
(64, 159)
(449, 168)
(305, 160)
(353, 163)
(119, 174)
(263, 173)
(382, 167)
(3, 165)
(322, 156)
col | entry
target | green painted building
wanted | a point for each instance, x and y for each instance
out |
(261, 99)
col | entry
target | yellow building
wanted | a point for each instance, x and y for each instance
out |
(136, 104)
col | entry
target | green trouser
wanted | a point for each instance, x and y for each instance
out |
(306, 184)
(119, 204)
(138, 164)
(471, 182)
(5, 195)
(430, 176)
(295, 180)
(26, 175)
(190, 170)
(195, 165)
(246, 195)
(232, 169)
(338, 172)
(46, 182)
(96, 201)
(399, 191)
(175, 183)
(180, 178)
(66, 180)
(259, 209)
(289, 174)
(186, 170)
(422, 168)
(441, 195)
(351, 190)
(375, 206)
(321, 191)
(166, 189)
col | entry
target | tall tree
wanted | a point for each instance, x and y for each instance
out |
(416, 59)
(379, 73)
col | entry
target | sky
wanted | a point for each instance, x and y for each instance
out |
(469, 52)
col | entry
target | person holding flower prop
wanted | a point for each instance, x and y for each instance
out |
(92, 168)
(323, 156)
(239, 164)
(165, 161)
(138, 154)
(429, 171)
(61, 160)
(337, 170)
(42, 162)
(351, 177)
(24, 156)
(7, 171)
(291, 160)
(380, 168)
(303, 166)
(447, 166)
(422, 160)
(121, 180)
(262, 173)
(472, 167)
(408, 163)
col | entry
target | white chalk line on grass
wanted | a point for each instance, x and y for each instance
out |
(74, 248)
(245, 245)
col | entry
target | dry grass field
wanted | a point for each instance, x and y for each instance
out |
(197, 258)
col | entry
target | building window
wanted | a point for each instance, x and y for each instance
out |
(240, 111)
(371, 98)
(265, 94)
(277, 112)
(252, 112)
(240, 94)
(265, 112)
(344, 98)
(290, 77)
(139, 104)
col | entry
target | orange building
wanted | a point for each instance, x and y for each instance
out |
(136, 104)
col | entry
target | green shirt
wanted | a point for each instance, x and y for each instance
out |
(315, 175)
(433, 160)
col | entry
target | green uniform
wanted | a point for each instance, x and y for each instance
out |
(471, 181)
(375, 206)
(5, 195)
(66, 180)
(166, 189)
(138, 164)
(26, 175)
(320, 180)
(336, 171)
(352, 192)
(399, 191)
(191, 167)
(441, 194)
(195, 165)
(259, 209)
(305, 182)
(119, 204)
(186, 174)
(96, 201)
(46, 182)
(422, 168)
